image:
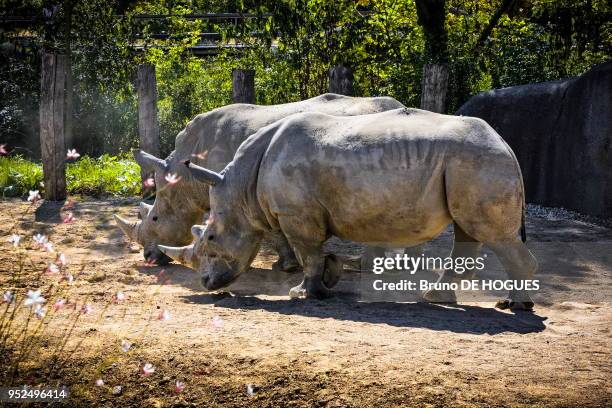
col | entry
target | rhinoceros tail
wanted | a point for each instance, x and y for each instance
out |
(523, 230)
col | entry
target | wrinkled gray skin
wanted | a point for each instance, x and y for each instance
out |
(219, 133)
(392, 179)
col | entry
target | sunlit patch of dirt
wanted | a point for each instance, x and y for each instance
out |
(252, 346)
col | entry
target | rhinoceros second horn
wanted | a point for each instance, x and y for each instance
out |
(129, 228)
(182, 255)
(204, 175)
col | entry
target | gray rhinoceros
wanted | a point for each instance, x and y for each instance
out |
(210, 140)
(391, 179)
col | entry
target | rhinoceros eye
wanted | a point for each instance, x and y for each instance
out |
(155, 218)
(211, 237)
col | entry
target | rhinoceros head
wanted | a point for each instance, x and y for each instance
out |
(225, 247)
(167, 221)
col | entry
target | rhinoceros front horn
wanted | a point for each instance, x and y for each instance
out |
(144, 209)
(129, 228)
(182, 255)
(204, 175)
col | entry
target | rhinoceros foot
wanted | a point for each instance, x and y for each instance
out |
(286, 265)
(333, 270)
(513, 305)
(440, 296)
(310, 288)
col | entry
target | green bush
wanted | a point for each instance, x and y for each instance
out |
(105, 175)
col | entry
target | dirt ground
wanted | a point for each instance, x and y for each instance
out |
(253, 346)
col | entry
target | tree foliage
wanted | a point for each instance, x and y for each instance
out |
(291, 46)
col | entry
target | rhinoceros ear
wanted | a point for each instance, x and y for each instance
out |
(149, 162)
(204, 175)
(198, 231)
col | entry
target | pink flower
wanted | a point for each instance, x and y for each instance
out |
(118, 297)
(33, 196)
(217, 322)
(68, 218)
(164, 315)
(179, 386)
(14, 239)
(162, 277)
(86, 308)
(148, 369)
(52, 268)
(99, 382)
(48, 246)
(59, 303)
(200, 156)
(72, 154)
(69, 204)
(172, 178)
(3, 150)
(150, 182)
(61, 259)
(149, 262)
(68, 277)
(210, 220)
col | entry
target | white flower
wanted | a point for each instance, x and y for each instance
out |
(7, 297)
(40, 239)
(72, 154)
(33, 298)
(69, 278)
(99, 382)
(164, 315)
(86, 308)
(14, 239)
(33, 196)
(39, 311)
(250, 390)
(48, 246)
(217, 322)
(119, 297)
(117, 390)
(172, 178)
(3, 150)
(148, 369)
(61, 259)
(125, 345)
(52, 268)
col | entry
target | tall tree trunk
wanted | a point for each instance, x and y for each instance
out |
(69, 138)
(243, 86)
(341, 80)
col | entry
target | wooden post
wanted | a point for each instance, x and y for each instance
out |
(52, 145)
(434, 86)
(243, 86)
(341, 80)
(148, 127)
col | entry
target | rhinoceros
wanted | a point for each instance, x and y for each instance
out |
(210, 140)
(391, 179)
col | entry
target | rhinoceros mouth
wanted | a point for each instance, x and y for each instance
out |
(220, 274)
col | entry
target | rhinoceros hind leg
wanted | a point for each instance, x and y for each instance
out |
(520, 265)
(310, 288)
(464, 246)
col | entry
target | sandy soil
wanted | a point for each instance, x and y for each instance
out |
(333, 353)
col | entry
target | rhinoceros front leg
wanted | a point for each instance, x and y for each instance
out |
(306, 237)
(287, 262)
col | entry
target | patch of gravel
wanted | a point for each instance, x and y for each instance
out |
(554, 214)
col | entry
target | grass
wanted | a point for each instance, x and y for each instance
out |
(105, 175)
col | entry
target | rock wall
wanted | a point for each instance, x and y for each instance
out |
(561, 133)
